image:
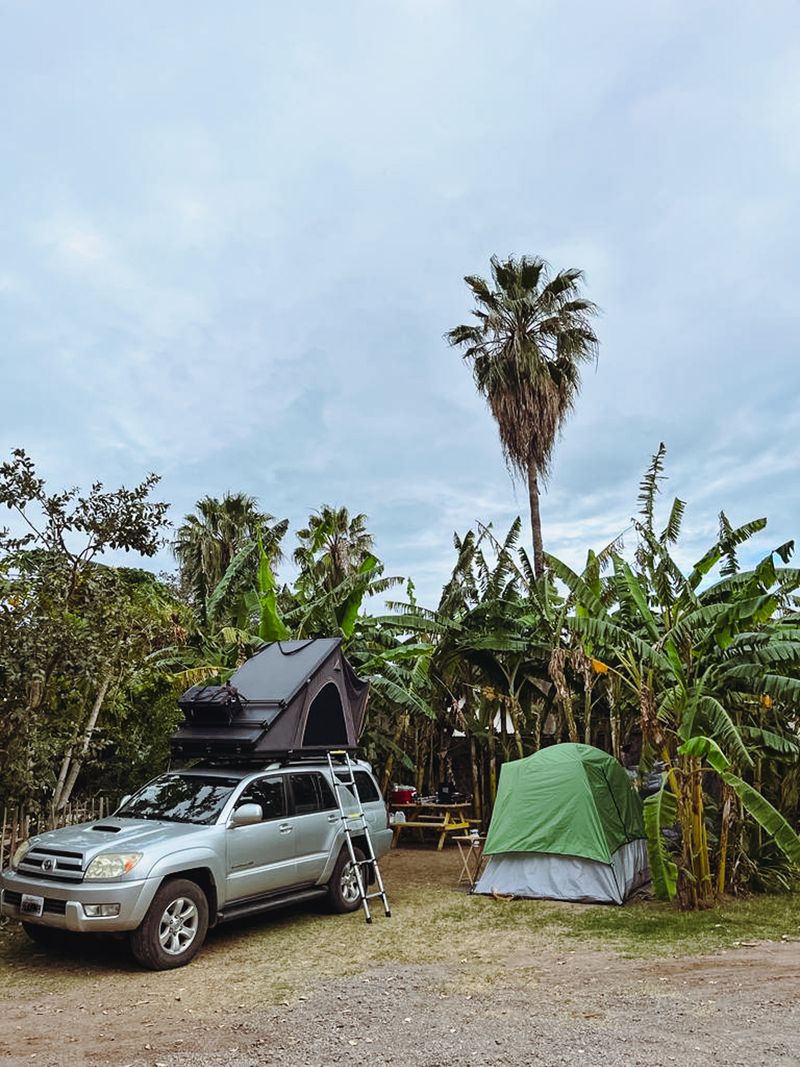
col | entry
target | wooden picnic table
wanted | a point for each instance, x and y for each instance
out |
(443, 819)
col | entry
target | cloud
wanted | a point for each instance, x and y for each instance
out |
(231, 251)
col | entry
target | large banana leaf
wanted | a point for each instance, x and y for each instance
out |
(236, 566)
(769, 652)
(751, 679)
(714, 554)
(706, 748)
(722, 620)
(401, 696)
(709, 714)
(580, 589)
(766, 816)
(271, 626)
(348, 612)
(660, 812)
(770, 740)
(637, 594)
(610, 636)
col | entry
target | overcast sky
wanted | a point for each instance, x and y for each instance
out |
(233, 236)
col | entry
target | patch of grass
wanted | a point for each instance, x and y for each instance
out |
(655, 929)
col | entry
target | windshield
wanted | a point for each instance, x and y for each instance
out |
(181, 798)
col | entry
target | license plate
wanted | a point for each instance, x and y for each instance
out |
(30, 905)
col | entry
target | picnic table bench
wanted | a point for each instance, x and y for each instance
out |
(442, 819)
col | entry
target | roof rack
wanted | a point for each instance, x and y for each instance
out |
(280, 759)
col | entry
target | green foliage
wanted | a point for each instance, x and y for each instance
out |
(270, 624)
(208, 542)
(703, 665)
(660, 813)
(766, 816)
(74, 633)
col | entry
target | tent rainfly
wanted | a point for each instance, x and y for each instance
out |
(291, 698)
(567, 825)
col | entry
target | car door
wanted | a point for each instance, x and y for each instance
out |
(316, 821)
(261, 857)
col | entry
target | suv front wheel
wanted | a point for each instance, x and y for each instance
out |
(343, 887)
(174, 927)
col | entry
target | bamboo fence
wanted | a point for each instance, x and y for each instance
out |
(19, 822)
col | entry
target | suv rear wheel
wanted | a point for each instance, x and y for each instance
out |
(343, 886)
(174, 927)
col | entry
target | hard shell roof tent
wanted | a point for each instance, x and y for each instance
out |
(292, 698)
(567, 825)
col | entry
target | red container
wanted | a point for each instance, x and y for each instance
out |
(403, 794)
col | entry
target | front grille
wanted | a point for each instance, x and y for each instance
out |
(54, 864)
(55, 907)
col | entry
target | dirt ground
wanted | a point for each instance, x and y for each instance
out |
(449, 981)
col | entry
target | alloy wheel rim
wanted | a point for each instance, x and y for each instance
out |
(178, 926)
(350, 883)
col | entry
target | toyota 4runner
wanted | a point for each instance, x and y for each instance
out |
(194, 848)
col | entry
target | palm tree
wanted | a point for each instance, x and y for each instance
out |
(527, 348)
(207, 541)
(333, 546)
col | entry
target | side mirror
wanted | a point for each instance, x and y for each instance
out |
(246, 815)
(124, 801)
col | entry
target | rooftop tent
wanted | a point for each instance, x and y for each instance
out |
(298, 697)
(567, 825)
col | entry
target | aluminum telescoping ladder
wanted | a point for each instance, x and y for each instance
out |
(356, 821)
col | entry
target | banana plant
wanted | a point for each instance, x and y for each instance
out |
(697, 655)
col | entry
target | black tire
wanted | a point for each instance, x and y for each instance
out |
(174, 927)
(46, 936)
(343, 894)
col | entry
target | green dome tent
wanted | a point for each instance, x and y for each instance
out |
(567, 825)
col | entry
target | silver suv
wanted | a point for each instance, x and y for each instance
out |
(192, 849)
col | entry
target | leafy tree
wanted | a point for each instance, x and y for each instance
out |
(532, 336)
(64, 618)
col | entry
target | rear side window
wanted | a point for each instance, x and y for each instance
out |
(304, 791)
(367, 790)
(327, 799)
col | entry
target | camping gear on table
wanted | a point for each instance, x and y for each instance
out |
(292, 698)
(566, 825)
(403, 794)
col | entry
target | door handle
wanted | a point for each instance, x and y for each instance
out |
(285, 828)
(334, 818)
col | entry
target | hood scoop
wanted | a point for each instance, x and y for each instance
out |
(107, 829)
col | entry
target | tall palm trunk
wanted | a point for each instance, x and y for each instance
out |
(536, 521)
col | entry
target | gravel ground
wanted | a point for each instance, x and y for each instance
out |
(736, 1011)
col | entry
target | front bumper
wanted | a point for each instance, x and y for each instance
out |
(63, 903)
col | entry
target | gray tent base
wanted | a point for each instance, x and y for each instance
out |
(547, 876)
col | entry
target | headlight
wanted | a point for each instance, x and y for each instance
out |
(112, 864)
(20, 853)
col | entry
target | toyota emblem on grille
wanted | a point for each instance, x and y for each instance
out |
(47, 865)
